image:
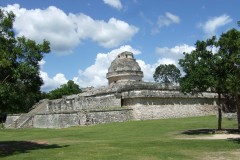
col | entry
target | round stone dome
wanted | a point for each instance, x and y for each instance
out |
(124, 68)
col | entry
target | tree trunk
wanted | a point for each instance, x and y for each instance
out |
(219, 112)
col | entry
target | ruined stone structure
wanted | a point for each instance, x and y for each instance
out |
(124, 68)
(126, 98)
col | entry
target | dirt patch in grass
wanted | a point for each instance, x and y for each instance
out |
(211, 134)
(233, 155)
(215, 136)
(39, 142)
(210, 131)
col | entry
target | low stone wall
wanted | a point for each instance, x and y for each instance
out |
(83, 103)
(165, 94)
(168, 101)
(141, 112)
(56, 120)
(11, 120)
(159, 108)
(64, 120)
(230, 116)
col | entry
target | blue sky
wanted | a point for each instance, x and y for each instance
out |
(86, 35)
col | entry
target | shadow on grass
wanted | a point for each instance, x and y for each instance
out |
(236, 140)
(8, 148)
(210, 131)
(198, 131)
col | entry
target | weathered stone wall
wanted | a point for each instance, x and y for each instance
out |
(168, 104)
(97, 117)
(63, 120)
(177, 111)
(106, 104)
(60, 120)
(11, 120)
(145, 93)
(168, 101)
(84, 103)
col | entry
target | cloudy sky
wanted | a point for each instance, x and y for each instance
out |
(86, 35)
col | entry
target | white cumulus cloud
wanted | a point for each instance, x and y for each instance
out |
(166, 20)
(52, 83)
(107, 34)
(48, 82)
(51, 24)
(41, 63)
(148, 70)
(174, 53)
(114, 3)
(167, 61)
(210, 26)
(66, 31)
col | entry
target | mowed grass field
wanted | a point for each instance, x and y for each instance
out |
(134, 140)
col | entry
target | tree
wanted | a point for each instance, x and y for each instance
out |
(168, 74)
(216, 71)
(65, 89)
(204, 70)
(229, 48)
(19, 67)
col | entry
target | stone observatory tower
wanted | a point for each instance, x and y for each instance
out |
(124, 68)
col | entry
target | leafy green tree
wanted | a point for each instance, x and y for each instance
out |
(216, 71)
(65, 89)
(204, 70)
(168, 74)
(229, 48)
(19, 67)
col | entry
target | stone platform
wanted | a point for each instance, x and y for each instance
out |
(115, 103)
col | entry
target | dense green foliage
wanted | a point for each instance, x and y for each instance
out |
(229, 50)
(134, 140)
(204, 70)
(198, 75)
(218, 71)
(168, 74)
(19, 67)
(65, 89)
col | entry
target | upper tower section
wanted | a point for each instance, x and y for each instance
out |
(124, 68)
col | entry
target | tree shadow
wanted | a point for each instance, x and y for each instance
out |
(236, 140)
(199, 131)
(8, 148)
(210, 131)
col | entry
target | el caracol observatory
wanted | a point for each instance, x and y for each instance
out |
(124, 69)
(126, 98)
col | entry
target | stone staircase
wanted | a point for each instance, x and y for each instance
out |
(22, 121)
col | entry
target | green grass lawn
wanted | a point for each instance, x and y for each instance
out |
(134, 140)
